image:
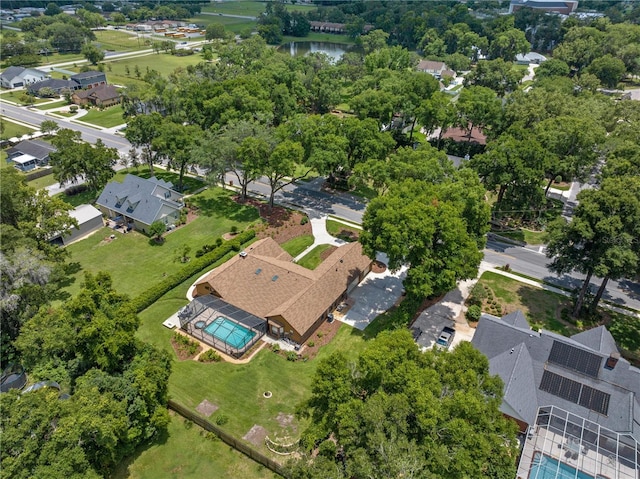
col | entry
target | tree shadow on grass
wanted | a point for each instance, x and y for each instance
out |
(189, 184)
(121, 471)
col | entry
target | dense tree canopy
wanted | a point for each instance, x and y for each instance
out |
(398, 412)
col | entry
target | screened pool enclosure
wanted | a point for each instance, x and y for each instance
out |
(217, 323)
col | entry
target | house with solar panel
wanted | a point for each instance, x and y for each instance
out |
(262, 291)
(575, 399)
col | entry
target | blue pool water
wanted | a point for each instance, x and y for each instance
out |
(545, 467)
(229, 332)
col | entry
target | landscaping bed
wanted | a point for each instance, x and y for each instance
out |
(280, 223)
(184, 347)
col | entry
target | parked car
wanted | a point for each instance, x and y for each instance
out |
(446, 338)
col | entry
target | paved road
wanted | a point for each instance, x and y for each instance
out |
(534, 264)
(35, 117)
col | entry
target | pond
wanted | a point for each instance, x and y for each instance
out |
(331, 49)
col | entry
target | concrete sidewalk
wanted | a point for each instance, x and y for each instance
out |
(320, 233)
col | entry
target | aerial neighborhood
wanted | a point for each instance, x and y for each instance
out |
(311, 239)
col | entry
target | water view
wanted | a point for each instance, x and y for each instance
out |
(331, 49)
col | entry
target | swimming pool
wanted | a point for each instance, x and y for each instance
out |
(545, 467)
(229, 332)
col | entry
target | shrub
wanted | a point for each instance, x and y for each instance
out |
(473, 313)
(222, 419)
(327, 449)
(73, 108)
(210, 356)
(186, 344)
(304, 220)
(311, 344)
(151, 295)
(320, 334)
(292, 356)
(234, 229)
(275, 347)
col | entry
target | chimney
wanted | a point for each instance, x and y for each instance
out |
(612, 360)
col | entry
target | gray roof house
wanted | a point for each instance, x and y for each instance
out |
(14, 77)
(138, 202)
(564, 7)
(56, 85)
(36, 150)
(89, 79)
(575, 398)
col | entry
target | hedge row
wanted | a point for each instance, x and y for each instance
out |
(151, 295)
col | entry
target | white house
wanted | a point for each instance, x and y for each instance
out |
(14, 77)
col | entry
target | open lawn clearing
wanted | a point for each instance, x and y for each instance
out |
(314, 257)
(163, 63)
(55, 104)
(189, 452)
(528, 236)
(249, 8)
(116, 40)
(14, 96)
(542, 308)
(297, 245)
(136, 263)
(42, 182)
(231, 24)
(106, 118)
(12, 129)
(65, 114)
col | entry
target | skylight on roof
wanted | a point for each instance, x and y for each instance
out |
(275, 278)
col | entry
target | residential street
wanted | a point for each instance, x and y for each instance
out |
(309, 195)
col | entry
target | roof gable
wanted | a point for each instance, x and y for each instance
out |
(599, 339)
(36, 148)
(12, 72)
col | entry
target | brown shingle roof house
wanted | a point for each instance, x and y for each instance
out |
(294, 300)
(103, 95)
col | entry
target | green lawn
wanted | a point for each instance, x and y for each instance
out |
(55, 104)
(312, 259)
(13, 129)
(117, 40)
(13, 96)
(65, 114)
(231, 24)
(297, 245)
(249, 8)
(528, 236)
(106, 118)
(542, 308)
(42, 182)
(135, 262)
(338, 229)
(163, 63)
(187, 451)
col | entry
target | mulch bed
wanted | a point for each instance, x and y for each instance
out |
(182, 352)
(323, 335)
(326, 253)
(280, 224)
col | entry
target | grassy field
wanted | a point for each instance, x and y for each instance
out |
(542, 308)
(231, 24)
(55, 104)
(13, 96)
(297, 245)
(135, 262)
(106, 118)
(334, 228)
(42, 182)
(163, 63)
(249, 8)
(13, 129)
(187, 451)
(313, 258)
(116, 40)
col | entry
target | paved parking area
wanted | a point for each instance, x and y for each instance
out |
(374, 295)
(447, 312)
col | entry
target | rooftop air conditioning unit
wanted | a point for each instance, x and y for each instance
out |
(243, 254)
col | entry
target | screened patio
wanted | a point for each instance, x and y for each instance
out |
(221, 325)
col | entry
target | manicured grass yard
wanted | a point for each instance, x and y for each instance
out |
(118, 41)
(163, 63)
(106, 118)
(297, 245)
(248, 8)
(13, 129)
(42, 182)
(187, 451)
(135, 262)
(55, 104)
(528, 236)
(542, 308)
(313, 258)
(13, 96)
(231, 24)
(334, 228)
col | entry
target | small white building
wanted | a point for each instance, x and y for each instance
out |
(89, 220)
(531, 57)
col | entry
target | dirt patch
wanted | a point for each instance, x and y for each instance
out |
(285, 420)
(326, 253)
(323, 335)
(229, 236)
(378, 267)
(280, 223)
(256, 435)
(206, 408)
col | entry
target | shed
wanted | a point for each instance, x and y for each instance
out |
(89, 220)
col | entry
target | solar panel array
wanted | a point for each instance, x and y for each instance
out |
(574, 358)
(575, 392)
